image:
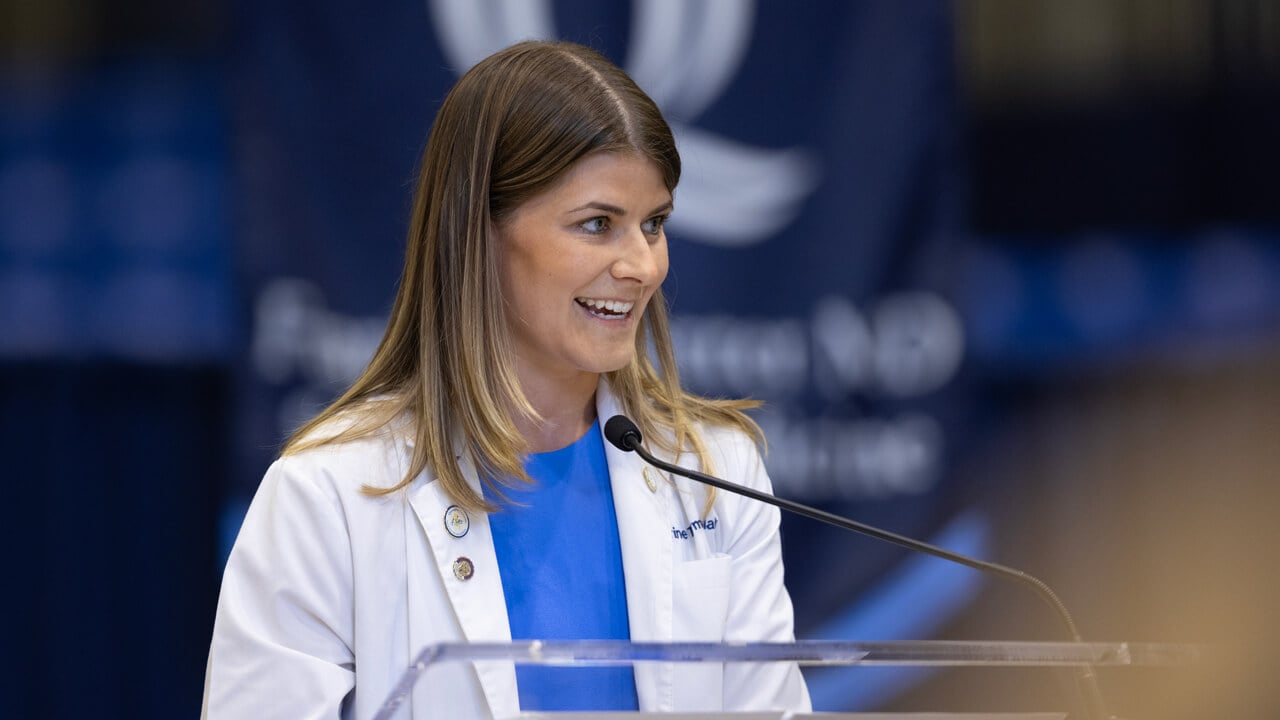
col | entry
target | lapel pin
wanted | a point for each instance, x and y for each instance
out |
(456, 521)
(649, 481)
(463, 569)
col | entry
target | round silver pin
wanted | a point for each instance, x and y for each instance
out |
(463, 568)
(456, 521)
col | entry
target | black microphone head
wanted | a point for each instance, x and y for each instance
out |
(622, 433)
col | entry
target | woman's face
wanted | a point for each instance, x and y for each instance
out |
(578, 264)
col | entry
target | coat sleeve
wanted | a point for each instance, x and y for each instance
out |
(759, 607)
(282, 639)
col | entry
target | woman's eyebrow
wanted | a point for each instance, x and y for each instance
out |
(606, 207)
(615, 210)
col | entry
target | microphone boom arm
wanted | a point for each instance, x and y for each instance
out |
(623, 433)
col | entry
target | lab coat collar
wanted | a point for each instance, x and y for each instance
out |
(478, 600)
(646, 559)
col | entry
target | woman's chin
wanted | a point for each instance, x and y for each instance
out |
(612, 364)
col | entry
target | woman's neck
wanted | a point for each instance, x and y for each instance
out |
(567, 409)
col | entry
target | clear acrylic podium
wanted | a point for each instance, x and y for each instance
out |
(588, 653)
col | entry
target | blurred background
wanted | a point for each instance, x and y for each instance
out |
(1006, 273)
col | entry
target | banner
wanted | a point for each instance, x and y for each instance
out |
(813, 227)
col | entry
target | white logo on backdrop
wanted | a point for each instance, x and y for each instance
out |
(684, 54)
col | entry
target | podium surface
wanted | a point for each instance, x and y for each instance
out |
(595, 653)
(796, 715)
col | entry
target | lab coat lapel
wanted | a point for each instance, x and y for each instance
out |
(478, 601)
(643, 528)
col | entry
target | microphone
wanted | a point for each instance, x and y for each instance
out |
(623, 434)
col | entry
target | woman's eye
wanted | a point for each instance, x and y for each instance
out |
(596, 225)
(655, 224)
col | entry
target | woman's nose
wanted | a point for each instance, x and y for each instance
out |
(642, 258)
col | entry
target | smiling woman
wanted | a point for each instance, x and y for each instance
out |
(460, 490)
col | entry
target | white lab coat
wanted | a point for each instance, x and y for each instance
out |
(329, 591)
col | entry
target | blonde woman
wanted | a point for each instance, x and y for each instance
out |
(460, 490)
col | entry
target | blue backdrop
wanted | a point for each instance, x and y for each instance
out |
(815, 218)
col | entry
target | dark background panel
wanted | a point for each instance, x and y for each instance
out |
(115, 473)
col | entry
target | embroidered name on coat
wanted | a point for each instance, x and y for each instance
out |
(696, 525)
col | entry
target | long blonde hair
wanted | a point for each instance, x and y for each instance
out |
(509, 128)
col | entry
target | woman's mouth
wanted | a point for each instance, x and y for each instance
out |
(606, 309)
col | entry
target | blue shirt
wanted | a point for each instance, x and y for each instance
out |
(561, 567)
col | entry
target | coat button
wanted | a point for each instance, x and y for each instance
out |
(456, 521)
(463, 569)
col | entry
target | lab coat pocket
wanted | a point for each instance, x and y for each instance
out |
(701, 590)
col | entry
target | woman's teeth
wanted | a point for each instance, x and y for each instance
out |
(606, 308)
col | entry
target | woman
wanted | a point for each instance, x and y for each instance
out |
(459, 491)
